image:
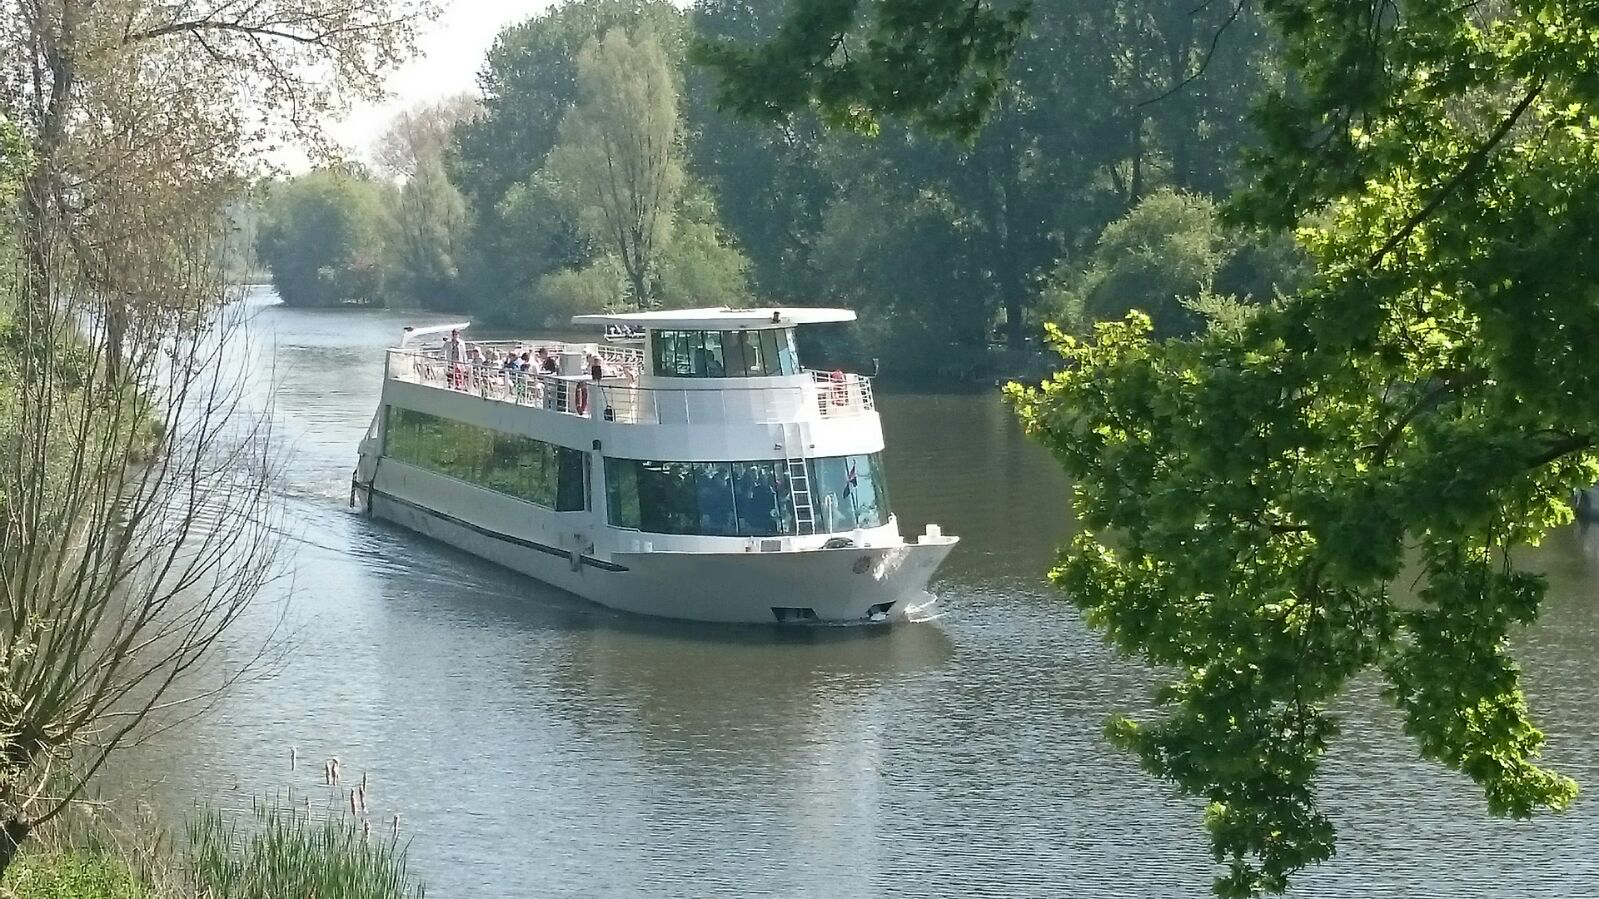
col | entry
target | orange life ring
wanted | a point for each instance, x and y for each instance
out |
(840, 391)
(580, 398)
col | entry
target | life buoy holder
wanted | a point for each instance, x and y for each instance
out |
(580, 398)
(840, 390)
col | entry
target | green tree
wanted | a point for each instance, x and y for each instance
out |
(593, 288)
(1100, 107)
(321, 239)
(1172, 257)
(425, 237)
(529, 82)
(140, 114)
(700, 266)
(426, 226)
(770, 180)
(618, 164)
(1166, 250)
(892, 253)
(1248, 498)
(939, 61)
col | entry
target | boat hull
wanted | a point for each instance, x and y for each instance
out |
(845, 585)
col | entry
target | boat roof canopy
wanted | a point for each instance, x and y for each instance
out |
(720, 319)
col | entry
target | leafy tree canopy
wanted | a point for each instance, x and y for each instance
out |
(617, 165)
(940, 62)
(1250, 497)
(1169, 257)
(321, 238)
(13, 160)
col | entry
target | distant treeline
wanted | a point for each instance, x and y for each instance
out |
(596, 172)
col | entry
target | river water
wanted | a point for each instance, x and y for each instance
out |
(536, 745)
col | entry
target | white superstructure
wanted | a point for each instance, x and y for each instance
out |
(704, 475)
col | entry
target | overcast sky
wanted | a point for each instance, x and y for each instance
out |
(452, 50)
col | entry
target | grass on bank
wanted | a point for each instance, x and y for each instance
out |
(280, 852)
(75, 874)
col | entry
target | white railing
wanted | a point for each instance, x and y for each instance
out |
(535, 389)
(616, 397)
(621, 357)
(846, 393)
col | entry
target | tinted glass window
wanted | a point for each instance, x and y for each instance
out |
(683, 352)
(527, 469)
(724, 354)
(715, 364)
(769, 354)
(621, 493)
(714, 493)
(744, 499)
(788, 358)
(661, 352)
(848, 492)
(666, 497)
(754, 358)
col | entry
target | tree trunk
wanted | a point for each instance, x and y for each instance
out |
(12, 835)
(1012, 284)
(1135, 185)
(637, 276)
(40, 187)
(116, 329)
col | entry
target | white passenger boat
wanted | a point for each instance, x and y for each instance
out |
(704, 475)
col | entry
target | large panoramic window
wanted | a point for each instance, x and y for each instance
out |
(724, 354)
(532, 470)
(744, 499)
(848, 492)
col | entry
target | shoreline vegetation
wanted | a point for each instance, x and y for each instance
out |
(283, 847)
(128, 132)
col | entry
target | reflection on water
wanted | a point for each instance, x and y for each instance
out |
(534, 744)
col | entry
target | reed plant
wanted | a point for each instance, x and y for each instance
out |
(289, 852)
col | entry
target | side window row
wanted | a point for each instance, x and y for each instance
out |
(542, 473)
(746, 499)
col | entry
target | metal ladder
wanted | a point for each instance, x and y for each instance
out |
(799, 481)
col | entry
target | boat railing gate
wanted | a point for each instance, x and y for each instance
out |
(617, 398)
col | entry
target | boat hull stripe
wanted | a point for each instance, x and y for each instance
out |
(590, 561)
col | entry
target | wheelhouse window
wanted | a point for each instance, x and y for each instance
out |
(541, 473)
(724, 354)
(849, 492)
(745, 499)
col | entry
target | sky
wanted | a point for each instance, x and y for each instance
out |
(452, 50)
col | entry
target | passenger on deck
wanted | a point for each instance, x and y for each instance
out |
(527, 361)
(547, 363)
(455, 357)
(596, 367)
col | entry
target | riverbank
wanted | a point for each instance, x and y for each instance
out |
(283, 850)
(75, 874)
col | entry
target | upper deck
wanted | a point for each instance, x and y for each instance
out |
(627, 392)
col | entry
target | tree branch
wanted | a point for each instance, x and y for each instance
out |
(1473, 165)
